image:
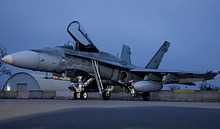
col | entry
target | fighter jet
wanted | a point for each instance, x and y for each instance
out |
(89, 69)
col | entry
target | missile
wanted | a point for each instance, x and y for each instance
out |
(23, 59)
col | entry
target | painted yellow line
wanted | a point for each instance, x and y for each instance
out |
(184, 91)
(11, 91)
(218, 90)
(49, 90)
(23, 91)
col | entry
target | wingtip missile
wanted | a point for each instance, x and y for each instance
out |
(7, 59)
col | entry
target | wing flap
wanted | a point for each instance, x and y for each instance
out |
(178, 77)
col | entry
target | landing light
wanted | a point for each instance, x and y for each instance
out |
(8, 88)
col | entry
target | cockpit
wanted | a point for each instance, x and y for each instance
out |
(82, 41)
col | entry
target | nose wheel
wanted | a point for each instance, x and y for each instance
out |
(81, 95)
(84, 95)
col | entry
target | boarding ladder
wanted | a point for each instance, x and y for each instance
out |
(97, 76)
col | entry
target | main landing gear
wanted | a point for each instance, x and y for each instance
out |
(146, 96)
(106, 95)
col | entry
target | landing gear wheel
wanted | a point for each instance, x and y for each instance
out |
(146, 96)
(106, 95)
(84, 95)
(77, 95)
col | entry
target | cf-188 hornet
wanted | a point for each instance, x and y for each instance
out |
(91, 70)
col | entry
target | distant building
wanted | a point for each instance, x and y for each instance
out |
(26, 81)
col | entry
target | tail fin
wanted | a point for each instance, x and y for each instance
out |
(157, 58)
(125, 53)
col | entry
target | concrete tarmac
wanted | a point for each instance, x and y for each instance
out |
(98, 114)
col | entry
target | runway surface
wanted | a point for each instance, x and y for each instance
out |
(98, 114)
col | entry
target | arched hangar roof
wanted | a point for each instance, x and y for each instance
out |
(27, 81)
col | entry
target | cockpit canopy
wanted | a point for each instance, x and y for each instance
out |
(78, 33)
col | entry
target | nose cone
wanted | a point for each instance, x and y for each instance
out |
(24, 59)
(7, 59)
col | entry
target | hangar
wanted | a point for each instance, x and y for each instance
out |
(27, 81)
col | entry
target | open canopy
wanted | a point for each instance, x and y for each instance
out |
(78, 33)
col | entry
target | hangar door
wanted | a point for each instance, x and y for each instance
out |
(21, 86)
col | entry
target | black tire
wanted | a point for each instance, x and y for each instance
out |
(77, 95)
(84, 95)
(106, 95)
(146, 96)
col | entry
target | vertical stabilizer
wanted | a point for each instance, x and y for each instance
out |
(157, 58)
(126, 53)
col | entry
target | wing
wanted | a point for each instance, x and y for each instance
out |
(169, 76)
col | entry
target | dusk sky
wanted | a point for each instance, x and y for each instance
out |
(191, 26)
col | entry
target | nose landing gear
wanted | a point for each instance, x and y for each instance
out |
(81, 95)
